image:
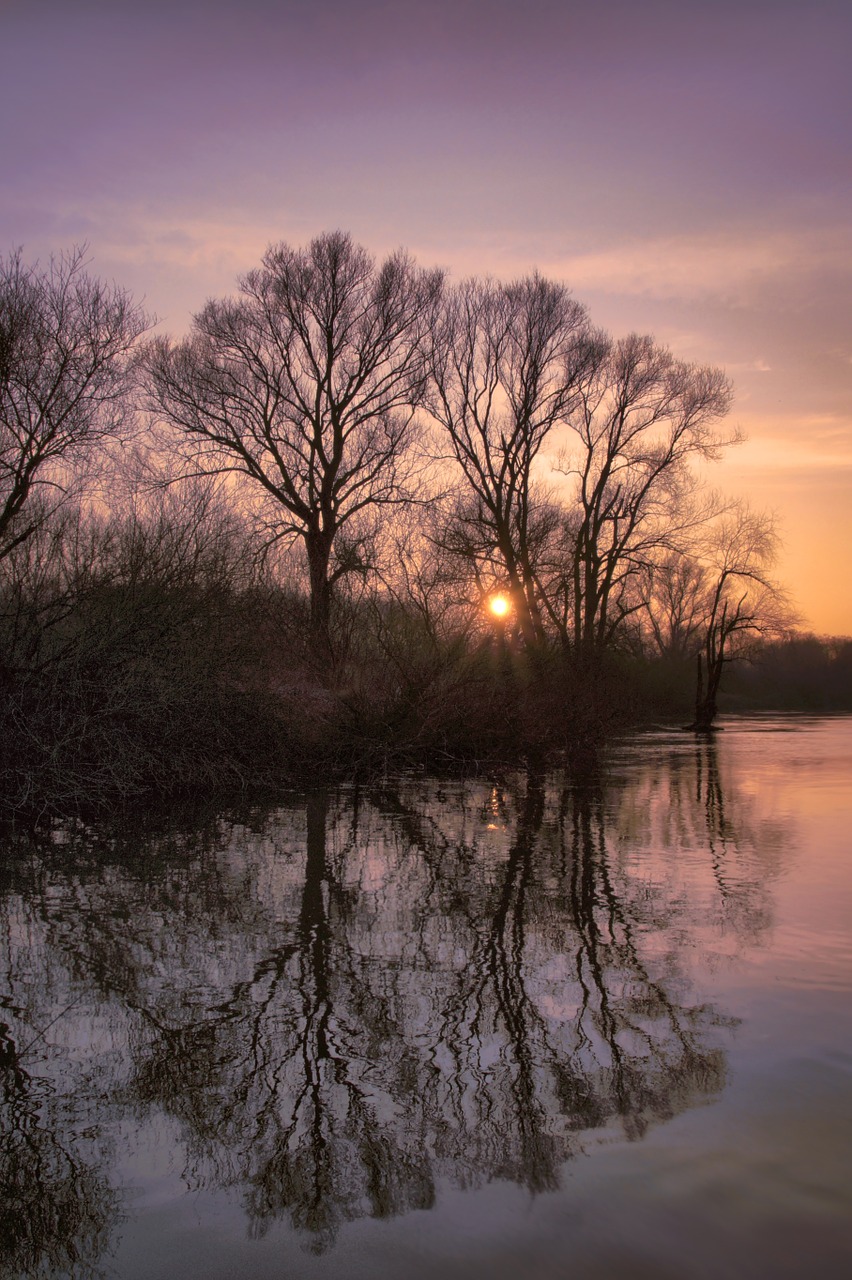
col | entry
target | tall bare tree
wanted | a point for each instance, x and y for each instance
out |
(307, 384)
(639, 418)
(506, 364)
(65, 338)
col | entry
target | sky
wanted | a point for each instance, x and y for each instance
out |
(685, 166)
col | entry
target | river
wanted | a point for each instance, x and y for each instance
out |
(525, 1024)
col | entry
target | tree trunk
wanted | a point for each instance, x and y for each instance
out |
(318, 548)
(699, 691)
(705, 698)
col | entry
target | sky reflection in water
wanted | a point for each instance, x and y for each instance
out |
(263, 1043)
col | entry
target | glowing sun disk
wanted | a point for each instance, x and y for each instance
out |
(499, 605)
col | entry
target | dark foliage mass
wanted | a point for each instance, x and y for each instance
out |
(271, 548)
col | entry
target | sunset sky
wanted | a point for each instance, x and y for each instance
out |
(684, 165)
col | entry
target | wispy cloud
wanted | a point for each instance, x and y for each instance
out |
(748, 366)
(822, 451)
(728, 266)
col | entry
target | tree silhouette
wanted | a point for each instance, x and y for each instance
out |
(306, 386)
(65, 339)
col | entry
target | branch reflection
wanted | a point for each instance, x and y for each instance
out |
(354, 999)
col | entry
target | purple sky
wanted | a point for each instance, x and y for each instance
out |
(683, 165)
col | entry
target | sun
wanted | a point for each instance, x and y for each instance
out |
(499, 605)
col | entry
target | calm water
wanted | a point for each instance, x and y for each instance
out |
(518, 1026)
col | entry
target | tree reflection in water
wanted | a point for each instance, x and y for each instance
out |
(57, 1208)
(367, 993)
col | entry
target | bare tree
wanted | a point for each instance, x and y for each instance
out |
(674, 605)
(307, 385)
(639, 417)
(742, 599)
(65, 339)
(506, 364)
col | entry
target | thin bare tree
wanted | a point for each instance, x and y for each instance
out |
(742, 600)
(65, 340)
(674, 600)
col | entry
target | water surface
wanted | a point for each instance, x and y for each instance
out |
(530, 1023)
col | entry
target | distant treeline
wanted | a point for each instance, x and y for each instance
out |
(360, 514)
(799, 673)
